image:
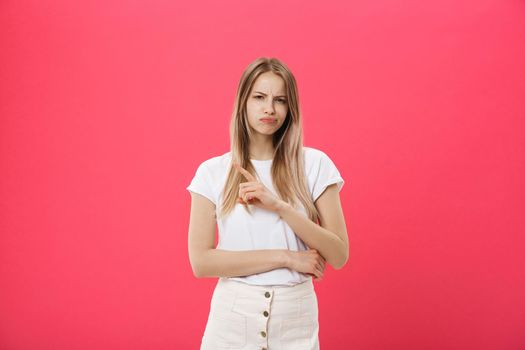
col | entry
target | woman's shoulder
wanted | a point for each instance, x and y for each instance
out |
(312, 154)
(217, 163)
(315, 158)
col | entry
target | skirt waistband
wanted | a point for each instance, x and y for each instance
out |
(240, 288)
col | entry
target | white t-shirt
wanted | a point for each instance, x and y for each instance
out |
(264, 229)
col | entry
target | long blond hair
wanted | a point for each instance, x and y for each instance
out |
(288, 171)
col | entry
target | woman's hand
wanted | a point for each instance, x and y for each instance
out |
(254, 192)
(307, 261)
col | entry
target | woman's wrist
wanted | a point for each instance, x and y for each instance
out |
(288, 258)
(282, 207)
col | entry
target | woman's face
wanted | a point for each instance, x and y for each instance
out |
(267, 104)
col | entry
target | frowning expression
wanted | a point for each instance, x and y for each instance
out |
(267, 104)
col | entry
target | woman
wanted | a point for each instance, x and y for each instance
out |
(266, 196)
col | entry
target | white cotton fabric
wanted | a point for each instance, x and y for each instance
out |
(263, 229)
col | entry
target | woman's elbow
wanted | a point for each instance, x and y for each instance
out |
(197, 272)
(341, 260)
(338, 265)
(197, 268)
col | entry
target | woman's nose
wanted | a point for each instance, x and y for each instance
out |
(268, 108)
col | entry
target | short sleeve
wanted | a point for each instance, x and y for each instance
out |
(202, 183)
(326, 175)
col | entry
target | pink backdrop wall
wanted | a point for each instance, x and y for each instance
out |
(108, 107)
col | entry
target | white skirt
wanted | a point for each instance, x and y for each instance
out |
(244, 316)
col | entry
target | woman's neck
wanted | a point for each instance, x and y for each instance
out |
(261, 148)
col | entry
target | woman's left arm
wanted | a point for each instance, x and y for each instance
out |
(330, 237)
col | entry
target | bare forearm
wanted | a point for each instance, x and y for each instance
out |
(331, 247)
(226, 263)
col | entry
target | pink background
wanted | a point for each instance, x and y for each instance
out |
(108, 107)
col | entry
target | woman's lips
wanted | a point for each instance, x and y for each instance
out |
(268, 120)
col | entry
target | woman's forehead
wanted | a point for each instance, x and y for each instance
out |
(269, 84)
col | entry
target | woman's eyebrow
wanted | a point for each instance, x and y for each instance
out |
(262, 93)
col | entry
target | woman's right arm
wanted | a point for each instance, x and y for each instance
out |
(206, 261)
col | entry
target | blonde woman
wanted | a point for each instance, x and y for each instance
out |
(277, 208)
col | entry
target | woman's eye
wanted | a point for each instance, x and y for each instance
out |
(259, 97)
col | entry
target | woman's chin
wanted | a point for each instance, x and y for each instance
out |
(266, 131)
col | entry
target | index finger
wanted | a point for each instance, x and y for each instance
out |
(245, 172)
